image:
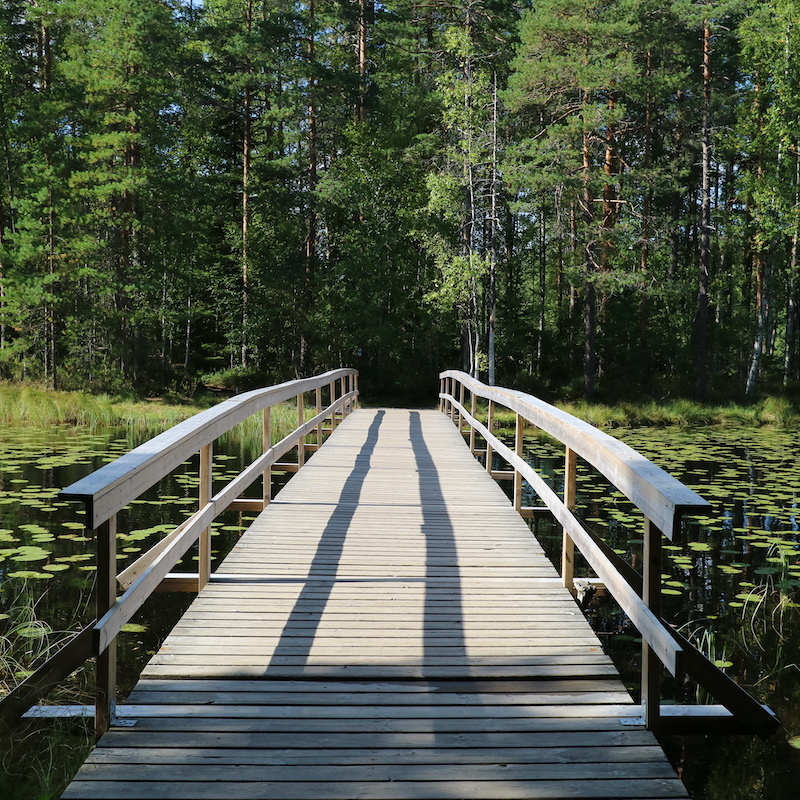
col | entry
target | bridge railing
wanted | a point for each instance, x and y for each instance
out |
(661, 498)
(110, 489)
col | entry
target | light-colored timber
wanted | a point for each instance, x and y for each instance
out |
(388, 627)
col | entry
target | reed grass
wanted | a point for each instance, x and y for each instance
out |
(22, 404)
(772, 411)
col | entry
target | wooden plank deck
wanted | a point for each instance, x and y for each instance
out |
(387, 628)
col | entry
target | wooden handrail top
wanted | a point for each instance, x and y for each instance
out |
(113, 486)
(662, 498)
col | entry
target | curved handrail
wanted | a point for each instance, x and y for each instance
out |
(661, 497)
(112, 487)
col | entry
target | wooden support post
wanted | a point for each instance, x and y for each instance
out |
(490, 426)
(518, 431)
(567, 545)
(301, 444)
(473, 409)
(461, 400)
(318, 399)
(205, 493)
(355, 389)
(266, 443)
(106, 668)
(333, 400)
(651, 594)
(449, 392)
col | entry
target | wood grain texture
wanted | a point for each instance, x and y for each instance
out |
(387, 628)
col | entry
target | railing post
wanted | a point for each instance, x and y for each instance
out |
(204, 496)
(301, 444)
(355, 389)
(333, 400)
(266, 443)
(651, 594)
(567, 545)
(318, 400)
(461, 390)
(490, 426)
(518, 431)
(441, 392)
(473, 410)
(106, 667)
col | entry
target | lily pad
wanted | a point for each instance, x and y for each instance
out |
(26, 574)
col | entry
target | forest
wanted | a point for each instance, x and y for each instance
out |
(595, 198)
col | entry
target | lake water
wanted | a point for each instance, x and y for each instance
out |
(731, 582)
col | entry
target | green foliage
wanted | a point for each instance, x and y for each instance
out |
(228, 188)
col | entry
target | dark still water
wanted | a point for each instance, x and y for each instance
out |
(731, 583)
(47, 575)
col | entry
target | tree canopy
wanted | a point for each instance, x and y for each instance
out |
(595, 197)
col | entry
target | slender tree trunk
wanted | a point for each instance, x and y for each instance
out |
(187, 335)
(366, 11)
(790, 355)
(493, 236)
(246, 151)
(701, 322)
(590, 294)
(311, 229)
(644, 253)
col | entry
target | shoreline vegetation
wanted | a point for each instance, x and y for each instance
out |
(27, 404)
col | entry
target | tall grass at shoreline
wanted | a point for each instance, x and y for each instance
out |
(776, 411)
(22, 404)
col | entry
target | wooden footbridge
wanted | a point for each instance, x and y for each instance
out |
(388, 627)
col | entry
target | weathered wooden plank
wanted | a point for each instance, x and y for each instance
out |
(565, 691)
(281, 734)
(386, 790)
(557, 668)
(586, 704)
(356, 689)
(439, 755)
(384, 772)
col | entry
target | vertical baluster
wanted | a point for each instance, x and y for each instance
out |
(355, 388)
(518, 431)
(473, 410)
(333, 400)
(301, 442)
(490, 426)
(651, 594)
(461, 391)
(567, 545)
(266, 443)
(204, 496)
(106, 667)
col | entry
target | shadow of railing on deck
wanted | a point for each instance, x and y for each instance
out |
(440, 559)
(306, 615)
